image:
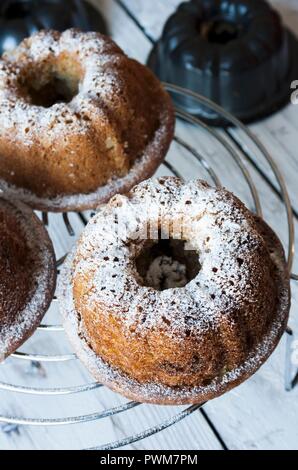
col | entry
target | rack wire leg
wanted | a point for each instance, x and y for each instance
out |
(290, 382)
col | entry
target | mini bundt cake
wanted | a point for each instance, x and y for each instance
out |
(175, 293)
(220, 48)
(28, 274)
(79, 121)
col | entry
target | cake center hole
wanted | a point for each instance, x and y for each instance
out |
(54, 90)
(17, 10)
(166, 264)
(220, 31)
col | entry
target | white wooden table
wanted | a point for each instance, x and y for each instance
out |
(259, 414)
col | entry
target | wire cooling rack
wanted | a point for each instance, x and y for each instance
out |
(239, 154)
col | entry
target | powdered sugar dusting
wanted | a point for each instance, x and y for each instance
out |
(229, 244)
(155, 392)
(164, 272)
(101, 80)
(219, 242)
(91, 49)
(14, 331)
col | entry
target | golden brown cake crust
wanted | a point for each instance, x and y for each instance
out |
(28, 274)
(181, 345)
(79, 121)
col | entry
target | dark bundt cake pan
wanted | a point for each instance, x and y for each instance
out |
(21, 18)
(235, 52)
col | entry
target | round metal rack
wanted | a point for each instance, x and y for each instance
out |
(239, 155)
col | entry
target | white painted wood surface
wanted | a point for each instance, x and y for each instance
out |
(257, 415)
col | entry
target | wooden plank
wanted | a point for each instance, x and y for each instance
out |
(152, 20)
